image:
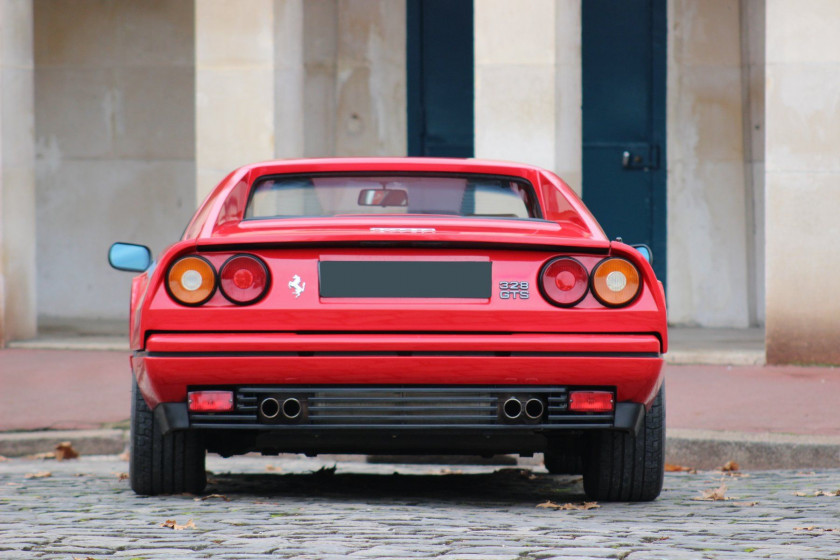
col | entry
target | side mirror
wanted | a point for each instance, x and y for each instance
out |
(645, 252)
(383, 197)
(130, 257)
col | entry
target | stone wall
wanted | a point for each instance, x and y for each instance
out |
(528, 84)
(712, 257)
(803, 181)
(114, 128)
(17, 181)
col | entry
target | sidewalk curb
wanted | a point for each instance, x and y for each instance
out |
(698, 449)
(706, 449)
(86, 442)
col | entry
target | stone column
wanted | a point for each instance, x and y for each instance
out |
(528, 84)
(249, 101)
(18, 311)
(802, 161)
(707, 212)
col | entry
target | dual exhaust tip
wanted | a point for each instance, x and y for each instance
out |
(515, 409)
(290, 409)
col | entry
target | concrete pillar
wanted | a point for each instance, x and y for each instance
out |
(802, 181)
(708, 249)
(115, 146)
(18, 310)
(249, 100)
(528, 84)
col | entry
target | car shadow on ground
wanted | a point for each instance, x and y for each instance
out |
(510, 486)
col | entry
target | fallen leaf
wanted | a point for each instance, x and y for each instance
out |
(213, 497)
(730, 466)
(122, 475)
(817, 494)
(654, 539)
(447, 470)
(713, 495)
(65, 451)
(172, 524)
(817, 530)
(272, 468)
(41, 456)
(42, 474)
(679, 468)
(745, 504)
(569, 506)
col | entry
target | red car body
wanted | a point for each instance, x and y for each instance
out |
(297, 339)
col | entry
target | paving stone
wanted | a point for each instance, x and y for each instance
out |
(365, 511)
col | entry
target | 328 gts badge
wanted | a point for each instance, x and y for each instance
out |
(514, 290)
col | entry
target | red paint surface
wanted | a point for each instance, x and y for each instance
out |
(294, 247)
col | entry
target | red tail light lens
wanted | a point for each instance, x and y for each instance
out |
(210, 401)
(591, 401)
(243, 279)
(564, 281)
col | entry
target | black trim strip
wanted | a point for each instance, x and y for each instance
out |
(428, 244)
(603, 423)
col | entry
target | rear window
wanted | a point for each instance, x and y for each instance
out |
(337, 195)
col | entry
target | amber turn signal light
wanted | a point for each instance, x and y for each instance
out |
(615, 282)
(191, 280)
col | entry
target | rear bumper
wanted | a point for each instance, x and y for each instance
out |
(631, 365)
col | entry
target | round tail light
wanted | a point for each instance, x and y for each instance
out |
(191, 280)
(615, 282)
(243, 279)
(564, 281)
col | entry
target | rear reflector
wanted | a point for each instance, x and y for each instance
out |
(591, 401)
(210, 401)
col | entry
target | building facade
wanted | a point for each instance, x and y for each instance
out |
(714, 124)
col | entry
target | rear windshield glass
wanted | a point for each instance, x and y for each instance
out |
(335, 195)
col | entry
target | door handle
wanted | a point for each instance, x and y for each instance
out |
(646, 160)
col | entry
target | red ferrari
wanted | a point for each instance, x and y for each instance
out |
(400, 306)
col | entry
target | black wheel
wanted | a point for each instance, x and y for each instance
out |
(163, 464)
(563, 457)
(619, 467)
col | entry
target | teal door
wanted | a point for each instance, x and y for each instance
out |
(440, 78)
(624, 120)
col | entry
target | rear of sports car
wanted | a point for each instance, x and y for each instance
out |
(414, 311)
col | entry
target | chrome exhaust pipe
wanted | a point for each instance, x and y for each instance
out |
(270, 408)
(512, 408)
(291, 408)
(534, 408)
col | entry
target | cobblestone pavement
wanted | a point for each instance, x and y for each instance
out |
(288, 508)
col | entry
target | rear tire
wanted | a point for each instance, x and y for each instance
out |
(163, 464)
(619, 467)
